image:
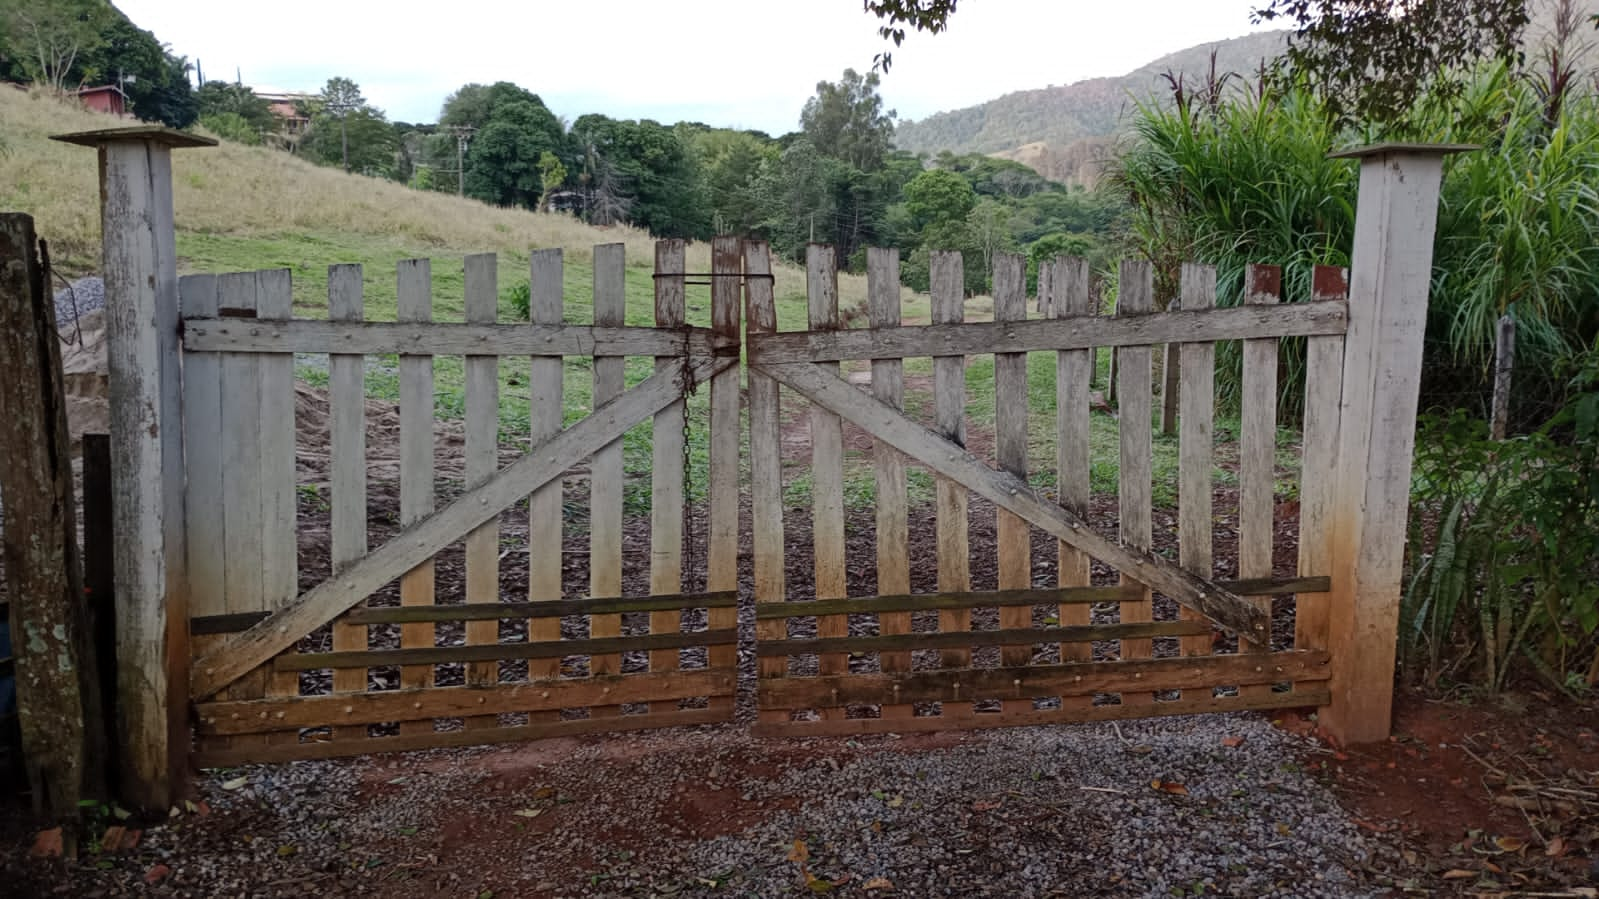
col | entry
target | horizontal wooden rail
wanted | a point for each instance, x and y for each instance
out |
(1030, 681)
(916, 602)
(234, 335)
(962, 639)
(548, 649)
(1205, 703)
(494, 611)
(1070, 333)
(263, 715)
(220, 757)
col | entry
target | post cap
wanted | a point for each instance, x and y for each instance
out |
(156, 134)
(1402, 147)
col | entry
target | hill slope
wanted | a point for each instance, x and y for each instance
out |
(1023, 124)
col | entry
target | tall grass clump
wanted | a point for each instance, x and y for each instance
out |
(1239, 176)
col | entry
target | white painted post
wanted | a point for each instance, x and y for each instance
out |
(142, 323)
(1390, 272)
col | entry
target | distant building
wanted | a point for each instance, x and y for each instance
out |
(286, 106)
(108, 98)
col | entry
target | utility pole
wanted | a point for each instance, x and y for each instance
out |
(462, 134)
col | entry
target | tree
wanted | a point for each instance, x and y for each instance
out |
(359, 141)
(1373, 60)
(49, 37)
(340, 97)
(155, 83)
(222, 98)
(937, 197)
(845, 120)
(552, 174)
(502, 162)
(653, 168)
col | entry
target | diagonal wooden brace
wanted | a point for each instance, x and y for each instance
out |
(1008, 492)
(421, 541)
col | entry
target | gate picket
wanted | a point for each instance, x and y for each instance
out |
(1257, 451)
(1197, 446)
(666, 463)
(546, 412)
(347, 423)
(414, 298)
(888, 466)
(605, 470)
(1135, 296)
(1012, 533)
(948, 287)
(827, 469)
(482, 460)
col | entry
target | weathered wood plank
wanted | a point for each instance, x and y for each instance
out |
(56, 671)
(224, 758)
(482, 375)
(1135, 421)
(279, 549)
(766, 457)
(202, 438)
(508, 611)
(1005, 491)
(606, 470)
(918, 602)
(435, 655)
(1197, 446)
(948, 640)
(1072, 294)
(545, 462)
(347, 421)
(888, 466)
(1324, 371)
(726, 438)
(1077, 332)
(222, 718)
(949, 411)
(414, 294)
(1197, 705)
(1023, 683)
(1257, 446)
(546, 414)
(666, 465)
(1014, 536)
(827, 465)
(209, 334)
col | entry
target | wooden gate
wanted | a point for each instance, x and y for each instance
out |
(290, 667)
(1141, 640)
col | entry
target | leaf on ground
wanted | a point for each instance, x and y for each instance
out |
(1232, 742)
(201, 809)
(486, 894)
(1458, 874)
(1511, 844)
(799, 853)
(156, 874)
(896, 802)
(986, 805)
(47, 844)
(544, 793)
(407, 831)
(1169, 786)
(1284, 830)
(235, 783)
(1556, 847)
(529, 812)
(111, 840)
(287, 850)
(878, 883)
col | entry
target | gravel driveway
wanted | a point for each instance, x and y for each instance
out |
(1220, 805)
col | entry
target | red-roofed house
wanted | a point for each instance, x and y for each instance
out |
(107, 98)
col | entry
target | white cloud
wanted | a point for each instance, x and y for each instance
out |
(745, 63)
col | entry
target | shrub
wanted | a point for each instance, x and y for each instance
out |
(231, 126)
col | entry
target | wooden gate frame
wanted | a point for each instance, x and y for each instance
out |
(1391, 270)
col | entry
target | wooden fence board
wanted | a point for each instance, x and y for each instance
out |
(1196, 446)
(1136, 296)
(722, 554)
(482, 375)
(949, 409)
(1257, 448)
(441, 338)
(414, 302)
(1324, 372)
(888, 466)
(1124, 329)
(827, 466)
(666, 465)
(766, 460)
(1074, 373)
(347, 424)
(606, 471)
(1012, 533)
(546, 414)
(280, 581)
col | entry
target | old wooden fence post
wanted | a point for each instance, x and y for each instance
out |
(58, 697)
(141, 282)
(1390, 272)
(1504, 365)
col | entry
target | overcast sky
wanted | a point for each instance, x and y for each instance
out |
(736, 63)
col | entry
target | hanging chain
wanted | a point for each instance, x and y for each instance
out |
(687, 388)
